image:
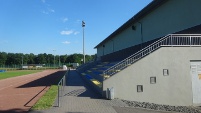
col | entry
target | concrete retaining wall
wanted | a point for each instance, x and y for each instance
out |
(172, 89)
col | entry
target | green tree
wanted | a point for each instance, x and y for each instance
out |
(25, 59)
(50, 59)
(18, 58)
(31, 58)
(42, 58)
(3, 58)
(63, 58)
(10, 59)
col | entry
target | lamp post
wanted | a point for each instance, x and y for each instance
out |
(54, 57)
(22, 61)
(59, 60)
(83, 25)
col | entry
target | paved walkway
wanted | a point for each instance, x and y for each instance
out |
(79, 98)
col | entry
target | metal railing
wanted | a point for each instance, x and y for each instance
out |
(61, 85)
(169, 40)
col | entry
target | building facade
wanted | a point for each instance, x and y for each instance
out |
(158, 19)
(169, 75)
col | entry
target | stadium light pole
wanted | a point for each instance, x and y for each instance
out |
(83, 25)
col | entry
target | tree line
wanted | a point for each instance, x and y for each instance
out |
(47, 59)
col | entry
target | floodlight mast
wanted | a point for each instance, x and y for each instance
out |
(83, 25)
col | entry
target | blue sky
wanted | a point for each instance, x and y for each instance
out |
(41, 26)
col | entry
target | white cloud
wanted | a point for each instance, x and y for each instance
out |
(43, 1)
(78, 21)
(68, 32)
(64, 20)
(66, 42)
(51, 10)
(76, 32)
(45, 12)
(48, 11)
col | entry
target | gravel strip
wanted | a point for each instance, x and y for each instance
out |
(146, 105)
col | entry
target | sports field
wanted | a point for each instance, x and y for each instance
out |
(8, 74)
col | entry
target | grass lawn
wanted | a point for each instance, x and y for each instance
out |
(9, 74)
(47, 99)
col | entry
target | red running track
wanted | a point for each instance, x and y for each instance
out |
(19, 94)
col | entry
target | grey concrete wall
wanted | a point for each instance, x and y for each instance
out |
(173, 16)
(174, 89)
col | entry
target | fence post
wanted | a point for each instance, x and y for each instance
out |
(171, 40)
(190, 41)
(149, 49)
(61, 87)
(63, 84)
(58, 97)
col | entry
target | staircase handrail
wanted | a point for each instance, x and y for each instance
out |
(152, 47)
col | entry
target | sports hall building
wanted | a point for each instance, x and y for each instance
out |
(153, 57)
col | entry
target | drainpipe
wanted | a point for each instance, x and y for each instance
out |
(103, 49)
(112, 45)
(141, 34)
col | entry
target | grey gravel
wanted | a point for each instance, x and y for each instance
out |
(146, 105)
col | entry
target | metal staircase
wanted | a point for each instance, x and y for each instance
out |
(171, 40)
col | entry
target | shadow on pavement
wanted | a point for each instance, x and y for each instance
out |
(51, 79)
(79, 87)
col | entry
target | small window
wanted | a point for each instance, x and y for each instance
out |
(165, 72)
(139, 88)
(152, 80)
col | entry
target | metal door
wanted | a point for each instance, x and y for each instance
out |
(196, 81)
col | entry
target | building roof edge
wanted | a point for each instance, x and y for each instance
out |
(146, 10)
